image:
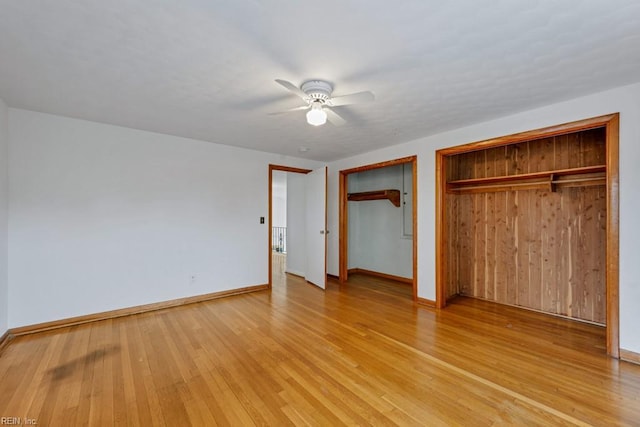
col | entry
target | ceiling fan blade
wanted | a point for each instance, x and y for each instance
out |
(334, 117)
(353, 98)
(293, 88)
(303, 107)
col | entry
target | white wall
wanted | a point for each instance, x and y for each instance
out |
(4, 215)
(376, 240)
(279, 195)
(296, 224)
(103, 217)
(625, 100)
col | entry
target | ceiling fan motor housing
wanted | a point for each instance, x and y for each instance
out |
(317, 90)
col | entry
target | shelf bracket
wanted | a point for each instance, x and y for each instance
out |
(392, 195)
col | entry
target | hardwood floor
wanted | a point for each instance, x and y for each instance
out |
(362, 354)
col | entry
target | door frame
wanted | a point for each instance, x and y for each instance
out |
(343, 222)
(611, 124)
(270, 222)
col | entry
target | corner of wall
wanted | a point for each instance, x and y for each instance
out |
(4, 215)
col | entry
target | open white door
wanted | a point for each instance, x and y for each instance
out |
(316, 195)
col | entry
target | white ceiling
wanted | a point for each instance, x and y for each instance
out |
(205, 69)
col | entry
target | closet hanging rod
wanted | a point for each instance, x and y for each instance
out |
(533, 175)
(596, 181)
(568, 181)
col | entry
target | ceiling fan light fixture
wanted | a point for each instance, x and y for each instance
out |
(317, 95)
(316, 116)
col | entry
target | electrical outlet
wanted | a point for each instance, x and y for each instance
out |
(261, 220)
(192, 279)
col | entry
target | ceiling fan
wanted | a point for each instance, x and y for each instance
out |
(317, 95)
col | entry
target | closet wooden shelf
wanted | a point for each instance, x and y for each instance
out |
(392, 195)
(583, 176)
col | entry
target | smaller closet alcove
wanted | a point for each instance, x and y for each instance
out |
(380, 221)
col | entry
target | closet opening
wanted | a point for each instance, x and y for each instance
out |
(377, 222)
(531, 220)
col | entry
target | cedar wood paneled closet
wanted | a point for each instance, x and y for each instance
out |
(524, 222)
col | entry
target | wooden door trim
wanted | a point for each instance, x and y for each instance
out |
(613, 235)
(343, 229)
(343, 222)
(270, 221)
(611, 124)
(326, 192)
(441, 229)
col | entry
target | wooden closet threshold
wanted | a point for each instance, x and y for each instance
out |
(382, 275)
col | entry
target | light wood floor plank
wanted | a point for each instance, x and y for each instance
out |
(355, 354)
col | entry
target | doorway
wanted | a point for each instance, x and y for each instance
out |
(310, 230)
(279, 223)
(393, 197)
